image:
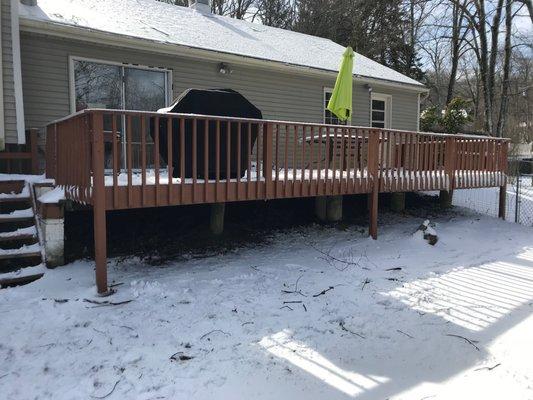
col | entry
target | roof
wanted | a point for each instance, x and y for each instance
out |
(161, 22)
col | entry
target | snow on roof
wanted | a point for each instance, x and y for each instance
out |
(165, 23)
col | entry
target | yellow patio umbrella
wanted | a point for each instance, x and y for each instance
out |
(340, 102)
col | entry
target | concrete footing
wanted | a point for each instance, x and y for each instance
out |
(328, 208)
(216, 223)
(53, 233)
(397, 202)
(445, 198)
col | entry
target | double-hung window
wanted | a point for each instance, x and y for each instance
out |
(380, 111)
(329, 117)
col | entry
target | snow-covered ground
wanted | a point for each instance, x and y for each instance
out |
(287, 320)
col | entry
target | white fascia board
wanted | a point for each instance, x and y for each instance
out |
(101, 37)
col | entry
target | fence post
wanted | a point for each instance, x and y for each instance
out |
(267, 159)
(99, 205)
(373, 171)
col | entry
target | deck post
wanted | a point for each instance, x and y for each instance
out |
(397, 202)
(373, 171)
(268, 134)
(321, 208)
(216, 223)
(501, 205)
(445, 198)
(503, 167)
(334, 208)
(99, 206)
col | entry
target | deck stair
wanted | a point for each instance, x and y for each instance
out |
(21, 254)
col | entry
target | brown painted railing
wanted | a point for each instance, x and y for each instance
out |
(266, 159)
(21, 158)
(122, 159)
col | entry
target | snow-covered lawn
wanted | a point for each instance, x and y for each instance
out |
(401, 320)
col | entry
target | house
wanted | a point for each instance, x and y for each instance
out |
(60, 57)
(51, 47)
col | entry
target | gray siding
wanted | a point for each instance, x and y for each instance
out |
(45, 76)
(10, 119)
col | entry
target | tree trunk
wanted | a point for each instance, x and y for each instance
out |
(506, 69)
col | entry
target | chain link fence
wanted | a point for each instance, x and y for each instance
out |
(519, 202)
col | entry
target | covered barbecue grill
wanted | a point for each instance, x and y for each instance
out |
(216, 102)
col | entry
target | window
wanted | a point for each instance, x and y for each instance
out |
(329, 117)
(97, 84)
(380, 110)
(105, 85)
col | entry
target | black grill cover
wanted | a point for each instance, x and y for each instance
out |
(216, 102)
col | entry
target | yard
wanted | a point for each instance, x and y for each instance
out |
(313, 313)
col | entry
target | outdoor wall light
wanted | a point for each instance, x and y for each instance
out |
(224, 69)
(368, 87)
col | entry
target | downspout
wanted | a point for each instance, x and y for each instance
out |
(17, 71)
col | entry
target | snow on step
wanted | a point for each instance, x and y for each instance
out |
(24, 194)
(26, 213)
(25, 249)
(23, 272)
(29, 231)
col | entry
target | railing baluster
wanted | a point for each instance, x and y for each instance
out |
(206, 159)
(129, 138)
(228, 159)
(143, 158)
(157, 161)
(249, 168)
(217, 159)
(194, 158)
(238, 159)
(182, 159)
(170, 161)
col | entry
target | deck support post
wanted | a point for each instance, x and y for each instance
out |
(445, 198)
(99, 206)
(373, 170)
(321, 203)
(397, 202)
(501, 205)
(216, 223)
(334, 208)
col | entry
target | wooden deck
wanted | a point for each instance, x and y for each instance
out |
(112, 160)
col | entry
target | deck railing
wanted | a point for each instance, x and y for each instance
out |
(217, 159)
(115, 159)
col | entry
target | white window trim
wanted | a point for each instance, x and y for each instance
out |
(325, 90)
(72, 89)
(387, 98)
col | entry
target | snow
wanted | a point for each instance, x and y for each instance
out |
(25, 249)
(396, 323)
(23, 194)
(28, 212)
(30, 230)
(27, 178)
(53, 196)
(160, 22)
(24, 272)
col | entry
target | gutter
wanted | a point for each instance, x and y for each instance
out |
(2, 121)
(169, 49)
